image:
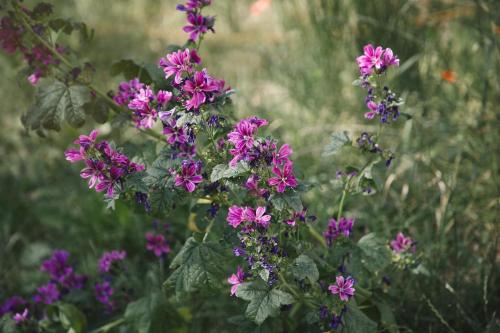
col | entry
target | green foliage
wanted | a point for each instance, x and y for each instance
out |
(152, 314)
(355, 321)
(264, 300)
(304, 267)
(223, 171)
(375, 253)
(194, 267)
(56, 102)
(288, 199)
(337, 141)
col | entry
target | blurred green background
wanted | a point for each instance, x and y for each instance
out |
(293, 62)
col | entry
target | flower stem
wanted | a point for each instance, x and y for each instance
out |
(207, 231)
(109, 326)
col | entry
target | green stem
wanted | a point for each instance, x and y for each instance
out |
(109, 326)
(287, 286)
(207, 231)
(342, 199)
(317, 235)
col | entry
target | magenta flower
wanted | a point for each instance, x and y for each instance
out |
(197, 89)
(191, 5)
(281, 157)
(179, 63)
(21, 317)
(335, 229)
(144, 113)
(127, 91)
(47, 294)
(173, 133)
(108, 258)
(373, 110)
(189, 176)
(258, 216)
(197, 25)
(157, 244)
(163, 97)
(401, 243)
(10, 35)
(284, 177)
(87, 141)
(242, 135)
(370, 59)
(35, 77)
(389, 59)
(236, 215)
(73, 155)
(236, 279)
(93, 172)
(343, 288)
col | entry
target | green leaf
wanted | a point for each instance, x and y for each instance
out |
(56, 103)
(7, 325)
(355, 321)
(222, 171)
(130, 70)
(387, 316)
(152, 314)
(71, 318)
(98, 109)
(304, 267)
(375, 254)
(337, 141)
(264, 302)
(157, 76)
(289, 199)
(197, 265)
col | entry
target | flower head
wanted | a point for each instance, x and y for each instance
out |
(236, 279)
(47, 294)
(401, 243)
(258, 216)
(343, 287)
(189, 176)
(157, 244)
(284, 178)
(21, 317)
(108, 258)
(103, 293)
(179, 64)
(236, 215)
(198, 88)
(198, 25)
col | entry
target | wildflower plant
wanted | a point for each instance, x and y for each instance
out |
(253, 237)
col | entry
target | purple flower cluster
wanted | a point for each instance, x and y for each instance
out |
(106, 168)
(108, 258)
(253, 150)
(334, 319)
(379, 102)
(61, 274)
(198, 25)
(336, 229)
(103, 293)
(157, 244)
(376, 60)
(38, 57)
(13, 304)
(344, 287)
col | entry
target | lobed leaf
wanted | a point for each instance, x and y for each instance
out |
(264, 301)
(304, 267)
(56, 103)
(337, 141)
(197, 265)
(222, 171)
